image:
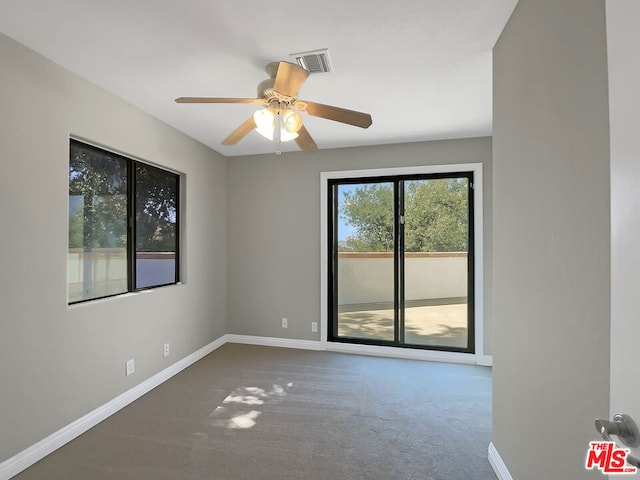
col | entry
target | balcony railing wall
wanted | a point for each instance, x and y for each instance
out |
(368, 277)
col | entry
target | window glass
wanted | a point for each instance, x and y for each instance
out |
(156, 226)
(97, 257)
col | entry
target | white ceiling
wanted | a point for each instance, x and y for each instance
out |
(421, 68)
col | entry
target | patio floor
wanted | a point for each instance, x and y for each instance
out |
(434, 325)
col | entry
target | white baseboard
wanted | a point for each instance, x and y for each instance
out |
(44, 447)
(391, 352)
(274, 342)
(497, 464)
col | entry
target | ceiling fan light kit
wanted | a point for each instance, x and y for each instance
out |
(279, 120)
(270, 123)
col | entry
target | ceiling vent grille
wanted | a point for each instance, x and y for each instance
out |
(316, 61)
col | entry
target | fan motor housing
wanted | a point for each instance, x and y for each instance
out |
(265, 86)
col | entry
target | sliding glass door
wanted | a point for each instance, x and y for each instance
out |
(401, 261)
(365, 270)
(436, 284)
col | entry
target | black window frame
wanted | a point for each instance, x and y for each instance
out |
(131, 247)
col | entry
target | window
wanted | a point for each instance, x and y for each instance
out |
(156, 224)
(123, 224)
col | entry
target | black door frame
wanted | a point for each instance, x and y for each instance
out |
(332, 259)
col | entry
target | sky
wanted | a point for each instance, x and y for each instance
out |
(344, 230)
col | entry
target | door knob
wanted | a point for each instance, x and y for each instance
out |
(625, 429)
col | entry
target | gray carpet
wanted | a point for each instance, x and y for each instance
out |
(261, 413)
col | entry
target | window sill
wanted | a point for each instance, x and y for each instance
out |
(95, 301)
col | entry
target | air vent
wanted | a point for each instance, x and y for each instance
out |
(316, 61)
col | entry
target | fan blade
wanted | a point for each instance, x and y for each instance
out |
(304, 140)
(289, 78)
(219, 100)
(240, 132)
(350, 117)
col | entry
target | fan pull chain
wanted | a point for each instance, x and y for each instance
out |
(276, 130)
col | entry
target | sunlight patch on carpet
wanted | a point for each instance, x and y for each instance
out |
(232, 415)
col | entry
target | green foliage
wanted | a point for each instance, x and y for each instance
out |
(97, 200)
(370, 210)
(436, 216)
(98, 204)
(155, 210)
(76, 228)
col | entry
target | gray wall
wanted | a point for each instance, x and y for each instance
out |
(274, 229)
(551, 237)
(57, 363)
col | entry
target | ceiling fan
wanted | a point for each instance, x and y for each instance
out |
(279, 120)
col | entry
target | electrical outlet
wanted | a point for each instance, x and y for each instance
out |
(285, 322)
(130, 367)
(314, 327)
(165, 350)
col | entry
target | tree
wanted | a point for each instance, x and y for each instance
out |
(98, 206)
(97, 200)
(436, 216)
(370, 210)
(156, 209)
